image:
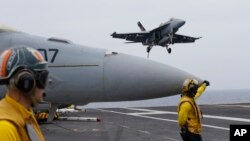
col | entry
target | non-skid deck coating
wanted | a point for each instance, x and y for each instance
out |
(145, 124)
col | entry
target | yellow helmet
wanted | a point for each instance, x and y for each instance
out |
(190, 87)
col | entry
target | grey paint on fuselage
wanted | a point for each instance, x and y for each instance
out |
(80, 74)
(75, 71)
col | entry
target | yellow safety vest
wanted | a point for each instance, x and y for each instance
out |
(193, 122)
(13, 113)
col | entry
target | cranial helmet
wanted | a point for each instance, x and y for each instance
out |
(26, 65)
(190, 87)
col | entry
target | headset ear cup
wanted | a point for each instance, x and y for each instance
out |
(25, 81)
(193, 89)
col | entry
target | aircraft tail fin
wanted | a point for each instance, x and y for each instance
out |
(141, 26)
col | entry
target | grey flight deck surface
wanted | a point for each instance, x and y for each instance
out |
(145, 124)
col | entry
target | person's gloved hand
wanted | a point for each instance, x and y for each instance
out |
(206, 82)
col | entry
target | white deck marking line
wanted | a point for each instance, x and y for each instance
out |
(228, 105)
(145, 110)
(216, 127)
(175, 113)
(124, 126)
(151, 113)
(148, 111)
(144, 132)
(170, 120)
(227, 118)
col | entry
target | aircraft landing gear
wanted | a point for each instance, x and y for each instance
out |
(171, 37)
(168, 49)
(52, 112)
(149, 49)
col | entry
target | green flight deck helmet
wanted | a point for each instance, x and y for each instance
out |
(26, 62)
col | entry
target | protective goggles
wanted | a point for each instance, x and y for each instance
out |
(41, 78)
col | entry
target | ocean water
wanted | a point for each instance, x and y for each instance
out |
(207, 98)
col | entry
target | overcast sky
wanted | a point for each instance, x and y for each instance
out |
(222, 56)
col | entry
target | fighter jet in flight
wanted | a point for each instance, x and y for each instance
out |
(164, 35)
(80, 75)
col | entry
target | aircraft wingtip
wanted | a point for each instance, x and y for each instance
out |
(113, 34)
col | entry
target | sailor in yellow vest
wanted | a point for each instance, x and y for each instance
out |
(189, 114)
(24, 72)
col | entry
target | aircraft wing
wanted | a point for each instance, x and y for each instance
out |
(184, 39)
(135, 37)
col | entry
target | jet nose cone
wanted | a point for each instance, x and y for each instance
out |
(181, 23)
(132, 78)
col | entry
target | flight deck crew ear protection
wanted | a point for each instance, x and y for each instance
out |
(24, 80)
(190, 87)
